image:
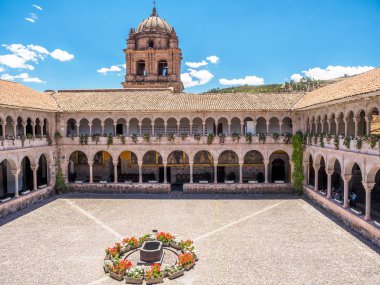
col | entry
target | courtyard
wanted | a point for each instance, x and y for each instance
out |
(239, 240)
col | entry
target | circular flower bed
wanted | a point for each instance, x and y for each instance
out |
(117, 265)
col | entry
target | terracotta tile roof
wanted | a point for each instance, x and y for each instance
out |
(361, 84)
(14, 94)
(165, 100)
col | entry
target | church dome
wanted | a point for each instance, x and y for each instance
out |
(154, 24)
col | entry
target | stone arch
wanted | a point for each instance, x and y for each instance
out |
(287, 125)
(279, 169)
(333, 125)
(171, 126)
(178, 167)
(71, 127)
(134, 128)
(253, 167)
(374, 128)
(96, 128)
(210, 126)
(184, 126)
(109, 128)
(43, 171)
(350, 124)
(274, 125)
(78, 167)
(361, 124)
(146, 126)
(84, 127)
(121, 127)
(341, 124)
(261, 126)
(141, 68)
(235, 125)
(228, 166)
(325, 125)
(7, 179)
(319, 124)
(19, 127)
(103, 169)
(375, 195)
(222, 126)
(127, 167)
(203, 167)
(356, 190)
(152, 167)
(26, 174)
(159, 126)
(311, 177)
(38, 128)
(9, 130)
(197, 125)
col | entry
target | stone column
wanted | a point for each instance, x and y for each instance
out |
(329, 173)
(346, 181)
(229, 129)
(345, 127)
(368, 125)
(33, 129)
(215, 173)
(191, 129)
(102, 125)
(127, 125)
(78, 125)
(152, 129)
(15, 173)
(165, 173)
(90, 125)
(24, 127)
(203, 129)
(242, 127)
(140, 173)
(115, 172)
(356, 121)
(14, 124)
(140, 129)
(337, 127)
(166, 128)
(316, 170)
(266, 165)
(241, 172)
(114, 128)
(268, 123)
(178, 125)
(306, 173)
(254, 128)
(280, 128)
(90, 164)
(191, 172)
(368, 190)
(34, 169)
(329, 126)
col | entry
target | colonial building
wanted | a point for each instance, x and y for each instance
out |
(151, 135)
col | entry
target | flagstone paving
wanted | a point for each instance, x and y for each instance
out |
(239, 241)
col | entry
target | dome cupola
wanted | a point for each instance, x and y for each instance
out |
(154, 24)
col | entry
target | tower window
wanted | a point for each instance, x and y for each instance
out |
(140, 67)
(163, 68)
(151, 44)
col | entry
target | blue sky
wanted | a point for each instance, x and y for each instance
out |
(63, 44)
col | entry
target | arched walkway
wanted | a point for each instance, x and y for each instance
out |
(203, 168)
(42, 171)
(128, 168)
(311, 171)
(152, 167)
(279, 167)
(337, 186)
(178, 168)
(228, 167)
(375, 199)
(356, 193)
(253, 168)
(78, 169)
(7, 180)
(103, 168)
(322, 176)
(26, 175)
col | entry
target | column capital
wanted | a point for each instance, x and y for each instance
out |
(115, 163)
(316, 166)
(15, 172)
(330, 171)
(90, 163)
(346, 177)
(356, 119)
(34, 167)
(368, 186)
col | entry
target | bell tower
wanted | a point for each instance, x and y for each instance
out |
(153, 57)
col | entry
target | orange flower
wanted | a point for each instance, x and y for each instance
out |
(186, 258)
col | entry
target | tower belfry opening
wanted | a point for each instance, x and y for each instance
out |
(153, 57)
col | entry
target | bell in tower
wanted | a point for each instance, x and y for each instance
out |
(153, 58)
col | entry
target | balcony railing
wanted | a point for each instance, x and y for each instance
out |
(16, 143)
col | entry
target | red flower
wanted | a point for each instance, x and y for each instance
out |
(186, 258)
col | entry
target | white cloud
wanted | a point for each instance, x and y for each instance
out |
(196, 64)
(37, 7)
(332, 72)
(196, 77)
(1, 69)
(296, 77)
(61, 55)
(30, 20)
(14, 61)
(23, 76)
(213, 59)
(113, 68)
(39, 49)
(248, 80)
(22, 51)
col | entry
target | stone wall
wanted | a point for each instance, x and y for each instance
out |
(17, 204)
(361, 226)
(238, 188)
(119, 188)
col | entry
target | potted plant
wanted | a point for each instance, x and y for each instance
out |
(144, 238)
(262, 138)
(154, 275)
(197, 137)
(288, 138)
(135, 275)
(347, 142)
(210, 138)
(171, 137)
(186, 260)
(107, 265)
(235, 137)
(165, 238)
(222, 138)
(122, 139)
(176, 271)
(118, 270)
(135, 138)
(146, 137)
(95, 138)
(133, 242)
(248, 138)
(336, 142)
(110, 140)
(187, 245)
(176, 243)
(184, 136)
(159, 137)
(275, 137)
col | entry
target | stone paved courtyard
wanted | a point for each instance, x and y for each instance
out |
(239, 241)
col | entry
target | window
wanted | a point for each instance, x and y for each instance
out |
(163, 68)
(151, 44)
(140, 67)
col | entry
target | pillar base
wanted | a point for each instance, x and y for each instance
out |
(367, 218)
